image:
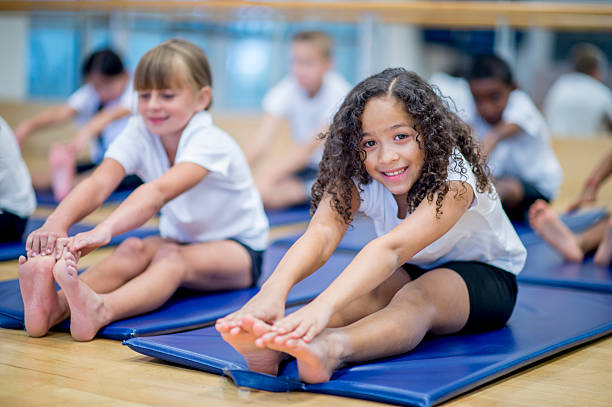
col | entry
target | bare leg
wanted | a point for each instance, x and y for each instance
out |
(603, 256)
(63, 166)
(43, 308)
(278, 194)
(437, 302)
(265, 360)
(547, 224)
(126, 262)
(197, 266)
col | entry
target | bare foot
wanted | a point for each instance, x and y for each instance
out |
(63, 166)
(603, 255)
(547, 224)
(87, 310)
(258, 359)
(318, 359)
(42, 306)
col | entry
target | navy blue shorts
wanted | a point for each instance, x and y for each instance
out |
(256, 260)
(530, 195)
(492, 292)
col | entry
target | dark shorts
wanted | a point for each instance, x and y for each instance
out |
(12, 227)
(492, 292)
(256, 260)
(129, 182)
(530, 195)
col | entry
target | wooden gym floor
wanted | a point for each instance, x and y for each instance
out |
(56, 370)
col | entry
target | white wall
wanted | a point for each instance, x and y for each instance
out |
(13, 60)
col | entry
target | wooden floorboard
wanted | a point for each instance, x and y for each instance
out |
(55, 370)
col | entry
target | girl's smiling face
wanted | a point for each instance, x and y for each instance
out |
(166, 112)
(393, 155)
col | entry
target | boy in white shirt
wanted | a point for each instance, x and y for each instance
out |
(514, 136)
(307, 98)
(579, 103)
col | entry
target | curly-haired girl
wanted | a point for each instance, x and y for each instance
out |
(445, 259)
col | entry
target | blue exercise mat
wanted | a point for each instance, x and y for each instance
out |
(545, 266)
(11, 251)
(293, 214)
(186, 309)
(45, 197)
(546, 321)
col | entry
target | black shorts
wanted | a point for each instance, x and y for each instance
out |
(530, 195)
(256, 260)
(12, 227)
(492, 292)
(129, 182)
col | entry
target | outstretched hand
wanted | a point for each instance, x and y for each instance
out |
(588, 195)
(261, 307)
(43, 241)
(305, 323)
(86, 242)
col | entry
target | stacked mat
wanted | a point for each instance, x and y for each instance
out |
(186, 309)
(438, 369)
(559, 306)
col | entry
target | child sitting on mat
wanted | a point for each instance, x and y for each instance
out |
(573, 246)
(213, 227)
(17, 200)
(446, 256)
(307, 98)
(101, 107)
(514, 136)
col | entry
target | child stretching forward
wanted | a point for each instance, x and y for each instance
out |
(213, 228)
(445, 259)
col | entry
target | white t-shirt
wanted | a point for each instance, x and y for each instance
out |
(528, 155)
(16, 192)
(458, 90)
(578, 104)
(86, 102)
(483, 233)
(307, 115)
(224, 205)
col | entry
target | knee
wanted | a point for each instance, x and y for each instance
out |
(169, 253)
(414, 297)
(131, 247)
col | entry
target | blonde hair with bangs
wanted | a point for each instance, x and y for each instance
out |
(173, 63)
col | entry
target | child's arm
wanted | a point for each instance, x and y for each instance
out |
(378, 260)
(310, 252)
(140, 206)
(499, 132)
(268, 127)
(87, 196)
(96, 125)
(295, 159)
(592, 184)
(51, 115)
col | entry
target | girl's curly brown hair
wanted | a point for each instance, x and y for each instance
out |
(440, 133)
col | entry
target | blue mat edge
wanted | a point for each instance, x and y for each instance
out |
(239, 376)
